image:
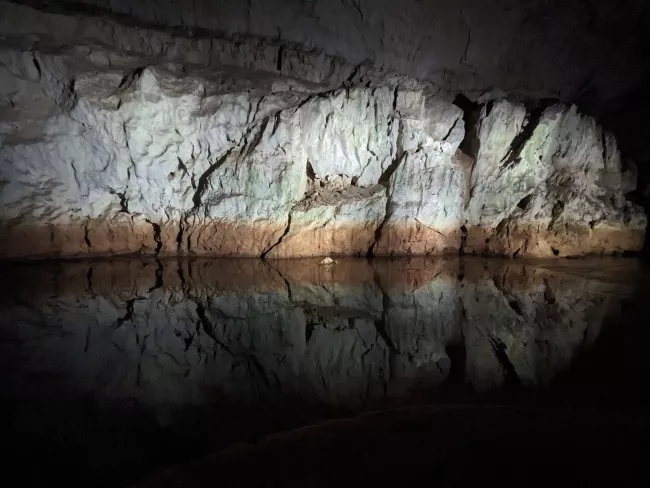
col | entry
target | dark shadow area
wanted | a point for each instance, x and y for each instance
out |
(471, 115)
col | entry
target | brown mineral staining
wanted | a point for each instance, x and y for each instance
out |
(351, 240)
(221, 238)
(416, 239)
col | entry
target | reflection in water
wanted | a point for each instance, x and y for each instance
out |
(136, 363)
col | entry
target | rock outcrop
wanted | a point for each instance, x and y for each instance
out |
(117, 139)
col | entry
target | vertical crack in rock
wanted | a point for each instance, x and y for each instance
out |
(128, 79)
(509, 372)
(286, 281)
(463, 240)
(89, 281)
(503, 228)
(286, 231)
(181, 276)
(75, 175)
(179, 237)
(252, 115)
(384, 180)
(128, 316)
(470, 144)
(556, 212)
(156, 235)
(276, 122)
(278, 65)
(451, 129)
(380, 228)
(208, 328)
(159, 276)
(248, 148)
(204, 180)
(86, 238)
(311, 175)
(380, 324)
(356, 75)
(124, 202)
(252, 362)
(549, 296)
(512, 157)
(357, 6)
(181, 166)
(37, 65)
(463, 58)
(143, 347)
(128, 147)
(310, 325)
(395, 92)
(488, 108)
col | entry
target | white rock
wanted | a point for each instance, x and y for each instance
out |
(105, 153)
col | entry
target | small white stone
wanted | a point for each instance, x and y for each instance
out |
(327, 262)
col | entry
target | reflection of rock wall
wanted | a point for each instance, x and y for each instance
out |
(167, 334)
(116, 139)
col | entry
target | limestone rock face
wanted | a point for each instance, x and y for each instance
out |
(116, 139)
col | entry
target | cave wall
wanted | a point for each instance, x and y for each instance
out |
(123, 138)
(576, 50)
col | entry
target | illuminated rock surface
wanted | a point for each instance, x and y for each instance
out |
(119, 139)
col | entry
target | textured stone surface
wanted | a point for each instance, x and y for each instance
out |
(120, 139)
(589, 51)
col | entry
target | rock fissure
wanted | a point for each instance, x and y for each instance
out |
(179, 237)
(159, 283)
(156, 235)
(514, 151)
(124, 201)
(279, 241)
(204, 180)
(429, 227)
(451, 130)
(509, 372)
(86, 238)
(384, 180)
(37, 65)
(129, 79)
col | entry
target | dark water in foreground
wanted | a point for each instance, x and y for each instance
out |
(115, 369)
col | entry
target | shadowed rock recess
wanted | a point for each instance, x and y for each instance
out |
(116, 139)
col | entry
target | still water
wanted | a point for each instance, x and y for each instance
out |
(117, 368)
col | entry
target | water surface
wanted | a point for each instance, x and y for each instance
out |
(117, 368)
